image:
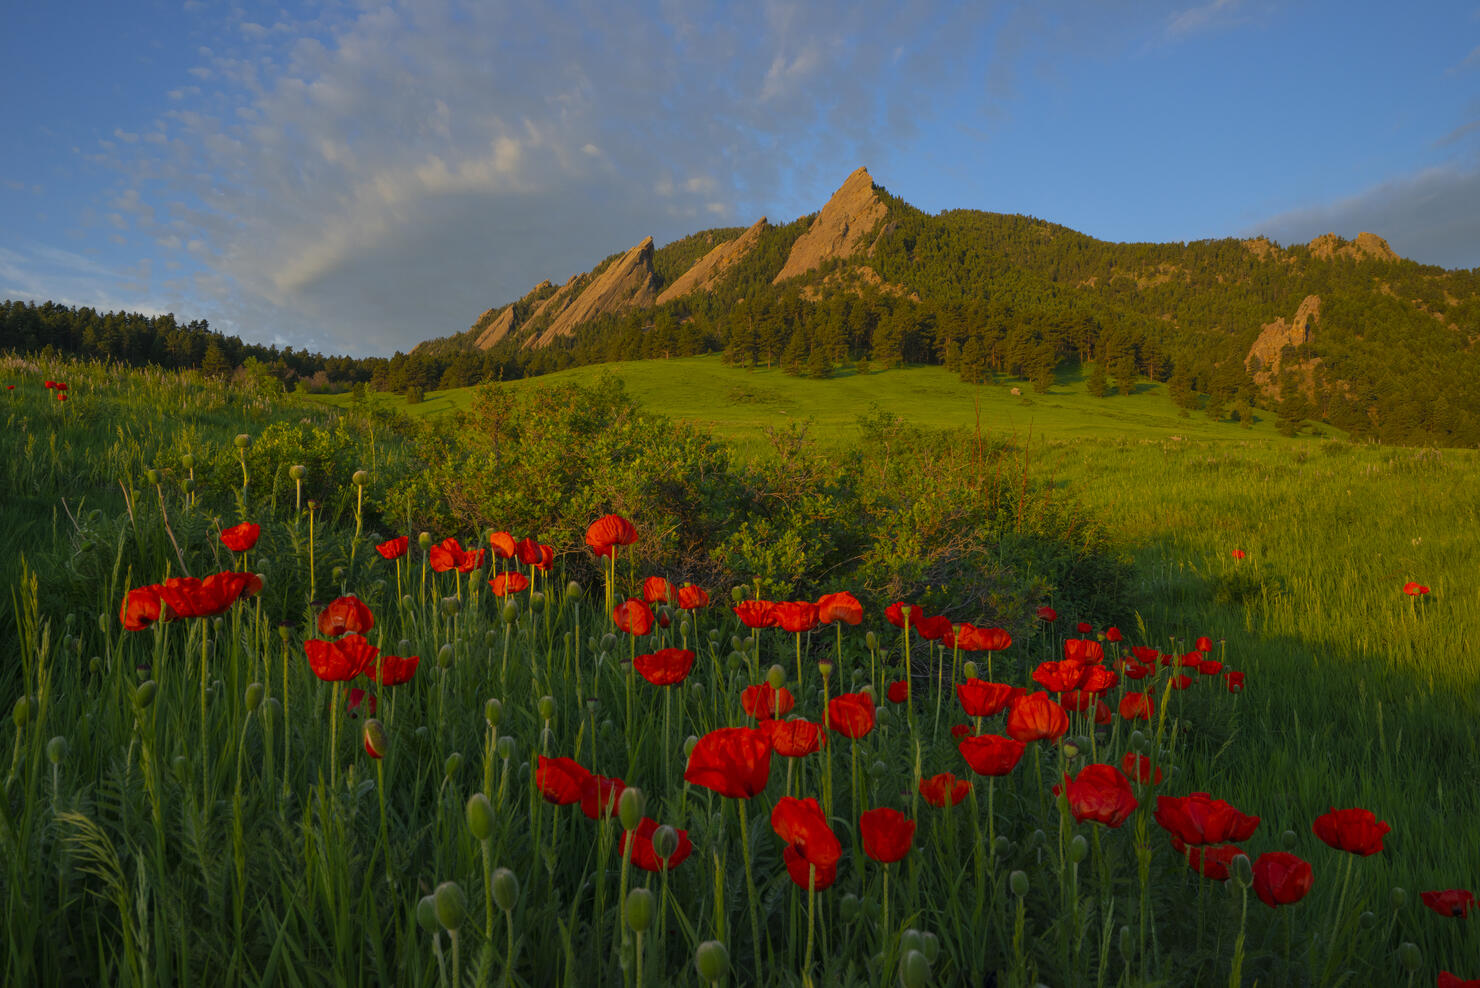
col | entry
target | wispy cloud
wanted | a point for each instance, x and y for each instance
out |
(1194, 20)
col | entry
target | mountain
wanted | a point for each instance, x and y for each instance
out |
(1336, 330)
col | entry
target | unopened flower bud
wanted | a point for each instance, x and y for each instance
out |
(1410, 956)
(1398, 897)
(970, 670)
(608, 642)
(1241, 870)
(243, 441)
(872, 641)
(298, 471)
(181, 767)
(56, 750)
(776, 676)
(630, 807)
(1018, 881)
(507, 747)
(375, 743)
(1289, 839)
(143, 695)
(451, 905)
(914, 969)
(424, 540)
(445, 655)
(688, 745)
(931, 948)
(450, 606)
(1002, 845)
(493, 712)
(573, 591)
(510, 612)
(426, 914)
(665, 842)
(253, 697)
(537, 603)
(505, 885)
(359, 478)
(639, 910)
(739, 593)
(480, 817)
(453, 764)
(152, 476)
(187, 461)
(546, 707)
(711, 959)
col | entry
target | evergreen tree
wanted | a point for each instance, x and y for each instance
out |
(214, 363)
(1098, 383)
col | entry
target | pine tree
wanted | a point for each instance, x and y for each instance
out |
(1098, 382)
(214, 363)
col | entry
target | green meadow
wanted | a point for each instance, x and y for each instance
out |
(228, 822)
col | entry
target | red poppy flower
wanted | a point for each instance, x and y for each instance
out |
(370, 748)
(240, 538)
(1238, 554)
(643, 854)
(944, 788)
(599, 796)
(1281, 878)
(756, 613)
(841, 606)
(1145, 653)
(763, 702)
(503, 545)
(989, 754)
(1060, 677)
(732, 761)
(1077, 701)
(1100, 793)
(851, 714)
(1234, 680)
(527, 550)
(1181, 681)
(392, 670)
(1201, 819)
(340, 660)
(959, 731)
(1210, 667)
(933, 629)
(356, 699)
(980, 698)
(970, 638)
(1355, 830)
(887, 834)
(1135, 670)
(1112, 634)
(187, 597)
(665, 666)
(1193, 658)
(1211, 861)
(608, 532)
(140, 608)
(345, 614)
(446, 555)
(61, 396)
(546, 560)
(471, 560)
(896, 612)
(560, 780)
(794, 738)
(1084, 627)
(691, 597)
(1135, 706)
(1102, 712)
(394, 548)
(804, 873)
(1448, 980)
(1450, 902)
(1204, 644)
(1414, 589)
(1036, 716)
(1098, 679)
(1138, 767)
(633, 617)
(1085, 651)
(801, 824)
(796, 616)
(899, 692)
(1046, 613)
(657, 590)
(506, 583)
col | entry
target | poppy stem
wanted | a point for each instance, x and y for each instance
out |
(755, 918)
(333, 738)
(811, 903)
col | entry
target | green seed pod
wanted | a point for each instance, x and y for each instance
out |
(450, 606)
(825, 667)
(143, 695)
(359, 478)
(1241, 871)
(536, 603)
(1078, 849)
(181, 767)
(243, 441)
(639, 910)
(1289, 839)
(1002, 846)
(1071, 750)
(1410, 956)
(546, 707)
(911, 939)
(914, 969)
(426, 914)
(630, 807)
(608, 642)
(187, 461)
(712, 961)
(573, 591)
(510, 612)
(970, 670)
(298, 471)
(1018, 881)
(505, 885)
(480, 817)
(931, 950)
(152, 476)
(493, 712)
(56, 750)
(1398, 897)
(739, 593)
(424, 540)
(451, 905)
(285, 632)
(507, 747)
(453, 764)
(665, 842)
(254, 695)
(445, 655)
(776, 676)
(848, 907)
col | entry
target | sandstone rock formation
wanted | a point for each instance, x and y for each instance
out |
(1264, 359)
(1367, 246)
(712, 266)
(626, 283)
(840, 230)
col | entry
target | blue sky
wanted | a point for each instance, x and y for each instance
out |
(354, 178)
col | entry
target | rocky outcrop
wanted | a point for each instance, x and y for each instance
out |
(710, 268)
(840, 230)
(1265, 357)
(856, 279)
(626, 283)
(1367, 246)
(496, 330)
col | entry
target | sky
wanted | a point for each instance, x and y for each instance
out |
(358, 177)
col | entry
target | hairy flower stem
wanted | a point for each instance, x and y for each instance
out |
(811, 903)
(1236, 970)
(755, 916)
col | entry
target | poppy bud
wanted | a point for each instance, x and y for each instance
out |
(298, 471)
(450, 606)
(187, 461)
(1078, 849)
(735, 643)
(1367, 920)
(877, 771)
(480, 817)
(56, 750)
(711, 959)
(359, 478)
(426, 914)
(375, 744)
(1241, 870)
(665, 842)
(453, 764)
(911, 939)
(188, 484)
(872, 641)
(848, 907)
(181, 768)
(1138, 742)
(970, 670)
(608, 642)
(1410, 956)
(1289, 839)
(639, 910)
(406, 602)
(337, 574)
(546, 707)
(143, 696)
(629, 807)
(776, 676)
(1398, 897)
(285, 632)
(243, 441)
(445, 655)
(537, 602)
(272, 710)
(1071, 750)
(254, 697)
(152, 476)
(739, 593)
(505, 885)
(1002, 846)
(493, 712)
(1018, 880)
(547, 738)
(510, 612)
(1127, 943)
(825, 668)
(451, 905)
(914, 969)
(424, 540)
(507, 747)
(931, 948)
(734, 661)
(688, 745)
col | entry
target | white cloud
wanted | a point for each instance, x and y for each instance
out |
(1201, 18)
